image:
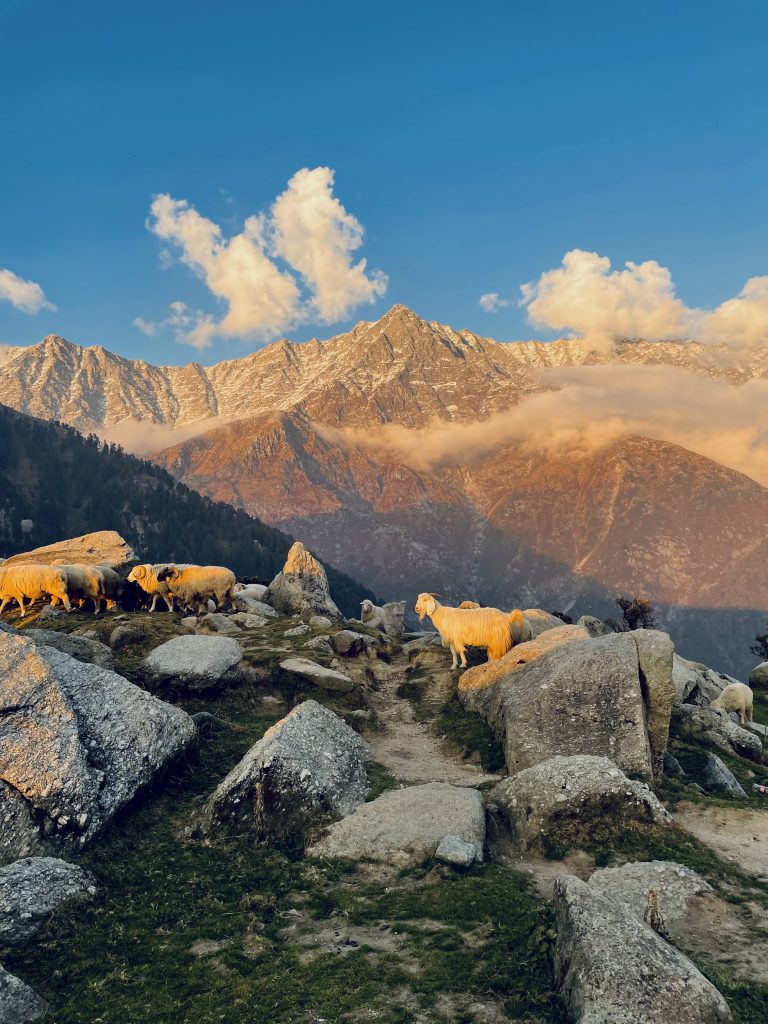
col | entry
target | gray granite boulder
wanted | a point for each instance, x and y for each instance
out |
(105, 547)
(349, 644)
(195, 662)
(77, 743)
(405, 827)
(696, 683)
(307, 770)
(217, 622)
(557, 796)
(34, 888)
(611, 968)
(758, 677)
(302, 670)
(301, 588)
(92, 651)
(247, 602)
(676, 887)
(716, 729)
(609, 696)
(715, 775)
(18, 1003)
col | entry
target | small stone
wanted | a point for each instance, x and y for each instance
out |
(456, 851)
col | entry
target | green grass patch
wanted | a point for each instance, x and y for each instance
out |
(469, 734)
(748, 1001)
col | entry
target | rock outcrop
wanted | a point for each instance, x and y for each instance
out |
(758, 677)
(80, 647)
(566, 794)
(306, 771)
(404, 827)
(18, 1003)
(302, 670)
(695, 683)
(676, 887)
(716, 729)
(609, 696)
(77, 742)
(301, 587)
(106, 547)
(610, 967)
(34, 888)
(195, 662)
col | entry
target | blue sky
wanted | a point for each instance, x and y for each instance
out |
(476, 145)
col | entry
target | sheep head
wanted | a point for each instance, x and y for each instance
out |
(425, 605)
(138, 572)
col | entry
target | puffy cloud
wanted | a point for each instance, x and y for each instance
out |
(148, 327)
(583, 408)
(24, 295)
(491, 303)
(143, 438)
(307, 228)
(586, 297)
(741, 322)
(191, 326)
(314, 234)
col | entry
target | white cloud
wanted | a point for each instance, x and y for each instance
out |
(24, 295)
(491, 303)
(741, 322)
(307, 228)
(586, 297)
(191, 326)
(148, 327)
(313, 233)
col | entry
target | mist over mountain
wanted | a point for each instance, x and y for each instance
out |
(415, 456)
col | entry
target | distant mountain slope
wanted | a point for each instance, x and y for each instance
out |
(55, 483)
(399, 369)
(639, 516)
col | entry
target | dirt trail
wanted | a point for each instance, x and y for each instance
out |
(737, 834)
(409, 749)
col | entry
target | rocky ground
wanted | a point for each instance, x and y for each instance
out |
(243, 880)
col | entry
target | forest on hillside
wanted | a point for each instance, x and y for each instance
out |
(56, 483)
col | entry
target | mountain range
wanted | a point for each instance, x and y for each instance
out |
(333, 442)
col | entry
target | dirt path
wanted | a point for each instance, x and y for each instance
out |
(737, 834)
(409, 749)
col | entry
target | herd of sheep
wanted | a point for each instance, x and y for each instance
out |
(191, 585)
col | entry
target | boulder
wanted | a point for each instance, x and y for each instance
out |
(540, 621)
(564, 793)
(301, 588)
(475, 686)
(217, 622)
(195, 662)
(718, 776)
(394, 618)
(456, 851)
(758, 677)
(588, 696)
(302, 670)
(249, 620)
(34, 888)
(18, 1003)
(676, 887)
(124, 636)
(246, 602)
(405, 827)
(593, 626)
(299, 630)
(77, 743)
(715, 728)
(319, 643)
(102, 548)
(320, 622)
(610, 967)
(50, 614)
(655, 657)
(695, 683)
(307, 770)
(91, 651)
(349, 644)
(6, 628)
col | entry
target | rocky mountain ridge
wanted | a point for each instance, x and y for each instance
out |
(399, 369)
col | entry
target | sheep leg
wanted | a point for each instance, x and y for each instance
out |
(748, 714)
(153, 605)
(96, 605)
(168, 601)
(454, 662)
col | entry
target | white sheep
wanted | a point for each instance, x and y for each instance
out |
(200, 583)
(469, 604)
(389, 618)
(459, 628)
(34, 582)
(146, 576)
(372, 615)
(735, 697)
(84, 583)
(111, 585)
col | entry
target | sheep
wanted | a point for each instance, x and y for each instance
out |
(197, 584)
(111, 585)
(491, 628)
(34, 582)
(371, 615)
(735, 697)
(84, 583)
(469, 604)
(147, 577)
